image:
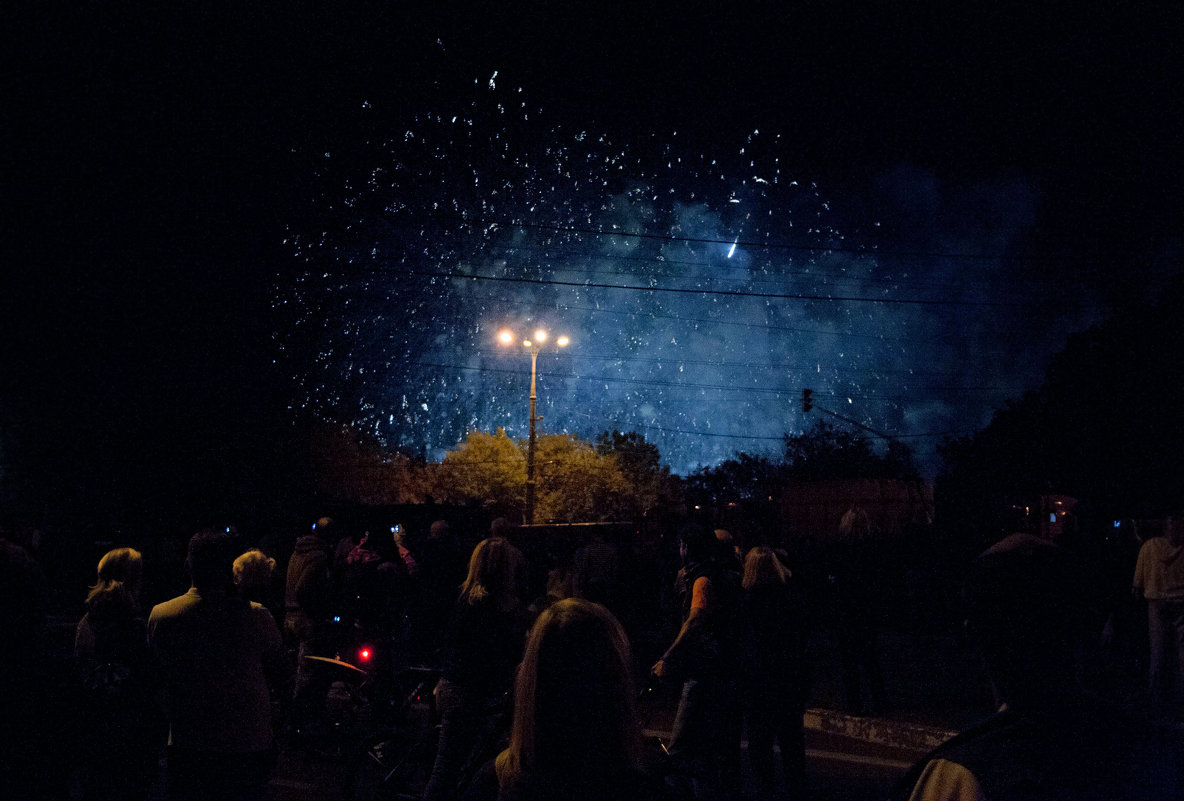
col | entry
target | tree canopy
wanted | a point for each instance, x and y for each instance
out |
(620, 477)
(1104, 427)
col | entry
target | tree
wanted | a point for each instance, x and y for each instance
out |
(649, 484)
(825, 452)
(1104, 426)
(489, 469)
(350, 466)
(743, 479)
(576, 483)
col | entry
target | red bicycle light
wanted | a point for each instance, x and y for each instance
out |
(364, 654)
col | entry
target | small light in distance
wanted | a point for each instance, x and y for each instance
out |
(562, 342)
(364, 654)
(505, 337)
(540, 335)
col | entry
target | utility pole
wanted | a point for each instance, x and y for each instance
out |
(533, 345)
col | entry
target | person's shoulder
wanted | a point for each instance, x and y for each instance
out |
(1114, 754)
(1153, 545)
(262, 618)
(258, 610)
(172, 606)
(943, 780)
(170, 610)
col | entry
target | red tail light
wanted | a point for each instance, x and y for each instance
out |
(364, 654)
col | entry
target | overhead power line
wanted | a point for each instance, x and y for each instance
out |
(788, 391)
(715, 292)
(857, 251)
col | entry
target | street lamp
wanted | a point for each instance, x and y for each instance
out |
(533, 345)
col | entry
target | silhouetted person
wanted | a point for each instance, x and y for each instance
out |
(308, 597)
(125, 725)
(484, 644)
(40, 696)
(373, 583)
(1159, 578)
(773, 671)
(857, 606)
(729, 543)
(1050, 739)
(442, 567)
(575, 735)
(598, 570)
(219, 655)
(374, 588)
(705, 740)
(560, 584)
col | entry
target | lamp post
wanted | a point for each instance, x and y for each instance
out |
(532, 345)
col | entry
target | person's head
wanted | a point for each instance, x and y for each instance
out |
(211, 560)
(559, 584)
(500, 527)
(1174, 528)
(574, 697)
(1023, 610)
(121, 570)
(439, 530)
(494, 568)
(253, 571)
(698, 543)
(762, 566)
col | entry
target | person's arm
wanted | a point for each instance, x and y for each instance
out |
(84, 639)
(696, 619)
(408, 558)
(1139, 581)
(277, 668)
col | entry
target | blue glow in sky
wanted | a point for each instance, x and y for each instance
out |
(702, 289)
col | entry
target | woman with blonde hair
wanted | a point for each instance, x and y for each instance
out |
(121, 683)
(113, 600)
(575, 733)
(481, 651)
(253, 572)
(773, 674)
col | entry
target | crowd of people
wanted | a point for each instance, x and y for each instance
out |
(217, 679)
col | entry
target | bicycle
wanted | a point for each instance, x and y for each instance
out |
(397, 762)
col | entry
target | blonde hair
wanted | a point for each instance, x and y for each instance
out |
(493, 571)
(762, 566)
(574, 715)
(252, 570)
(855, 525)
(120, 572)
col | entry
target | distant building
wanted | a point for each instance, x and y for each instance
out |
(1049, 517)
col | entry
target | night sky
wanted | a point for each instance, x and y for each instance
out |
(223, 216)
